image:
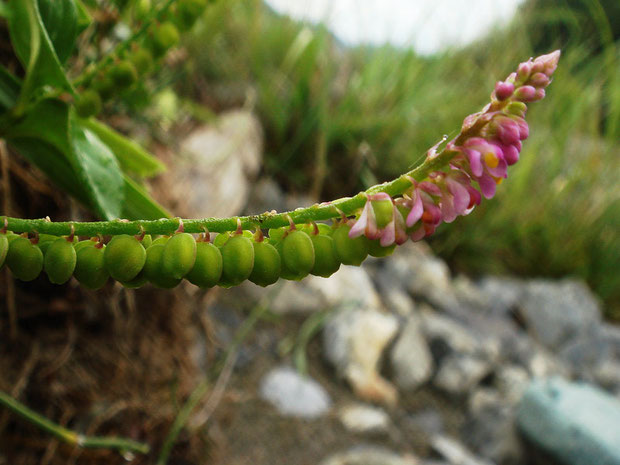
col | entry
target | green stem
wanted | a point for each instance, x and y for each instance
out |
(317, 212)
(69, 436)
(121, 47)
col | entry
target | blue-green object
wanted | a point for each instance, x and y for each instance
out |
(575, 423)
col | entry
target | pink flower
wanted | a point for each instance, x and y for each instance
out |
(380, 219)
(503, 90)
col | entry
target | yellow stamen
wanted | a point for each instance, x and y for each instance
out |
(491, 160)
(498, 181)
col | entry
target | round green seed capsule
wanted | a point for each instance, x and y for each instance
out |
(297, 254)
(153, 268)
(45, 240)
(88, 103)
(384, 210)
(142, 60)
(81, 244)
(146, 241)
(123, 74)
(267, 264)
(124, 257)
(104, 86)
(60, 260)
(24, 259)
(164, 37)
(188, 12)
(349, 251)
(237, 261)
(375, 249)
(160, 240)
(90, 268)
(4, 248)
(276, 234)
(221, 239)
(207, 269)
(326, 262)
(179, 255)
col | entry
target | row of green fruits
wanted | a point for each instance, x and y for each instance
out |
(289, 253)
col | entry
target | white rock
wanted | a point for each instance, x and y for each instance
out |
(354, 341)
(294, 395)
(411, 358)
(458, 374)
(370, 455)
(361, 418)
(455, 452)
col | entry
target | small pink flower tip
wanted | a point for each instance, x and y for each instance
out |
(539, 80)
(549, 62)
(525, 94)
(503, 90)
(524, 70)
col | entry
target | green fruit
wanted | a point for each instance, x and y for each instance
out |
(24, 259)
(45, 240)
(349, 251)
(136, 282)
(142, 60)
(384, 211)
(297, 254)
(160, 240)
(237, 261)
(146, 241)
(326, 262)
(221, 239)
(179, 255)
(375, 249)
(80, 245)
(164, 37)
(207, 268)
(124, 257)
(88, 103)
(60, 260)
(188, 12)
(90, 268)
(153, 268)
(267, 264)
(276, 234)
(4, 248)
(104, 86)
(141, 9)
(123, 74)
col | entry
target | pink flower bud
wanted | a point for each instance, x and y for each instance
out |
(525, 94)
(516, 108)
(548, 63)
(539, 80)
(503, 90)
(539, 94)
(524, 70)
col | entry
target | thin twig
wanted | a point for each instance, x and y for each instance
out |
(68, 436)
(7, 207)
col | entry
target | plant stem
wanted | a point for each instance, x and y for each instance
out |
(317, 212)
(69, 436)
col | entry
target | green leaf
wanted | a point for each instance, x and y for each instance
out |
(84, 19)
(4, 10)
(34, 49)
(60, 18)
(139, 205)
(99, 169)
(130, 155)
(9, 89)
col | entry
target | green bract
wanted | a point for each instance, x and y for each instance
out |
(297, 253)
(207, 268)
(4, 248)
(60, 260)
(179, 255)
(153, 268)
(267, 264)
(24, 259)
(237, 261)
(326, 262)
(349, 251)
(124, 257)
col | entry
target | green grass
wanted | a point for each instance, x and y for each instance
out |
(337, 120)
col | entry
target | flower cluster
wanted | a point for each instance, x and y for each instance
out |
(489, 142)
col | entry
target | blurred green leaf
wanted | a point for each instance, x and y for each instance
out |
(84, 19)
(129, 154)
(139, 204)
(9, 89)
(34, 49)
(60, 18)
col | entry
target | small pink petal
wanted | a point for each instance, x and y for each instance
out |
(359, 227)
(487, 186)
(416, 211)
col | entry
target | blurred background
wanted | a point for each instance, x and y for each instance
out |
(421, 358)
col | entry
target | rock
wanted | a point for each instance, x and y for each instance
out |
(428, 420)
(411, 359)
(454, 452)
(459, 373)
(607, 375)
(215, 164)
(293, 394)
(361, 418)
(354, 341)
(558, 312)
(573, 423)
(370, 455)
(425, 276)
(511, 381)
(489, 428)
(501, 294)
(394, 296)
(587, 354)
(348, 286)
(542, 363)
(265, 195)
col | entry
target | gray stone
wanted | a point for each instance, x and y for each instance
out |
(454, 452)
(361, 418)
(489, 428)
(370, 455)
(501, 294)
(354, 341)
(574, 423)
(393, 294)
(214, 165)
(428, 420)
(557, 312)
(460, 373)
(293, 394)
(265, 195)
(511, 381)
(411, 359)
